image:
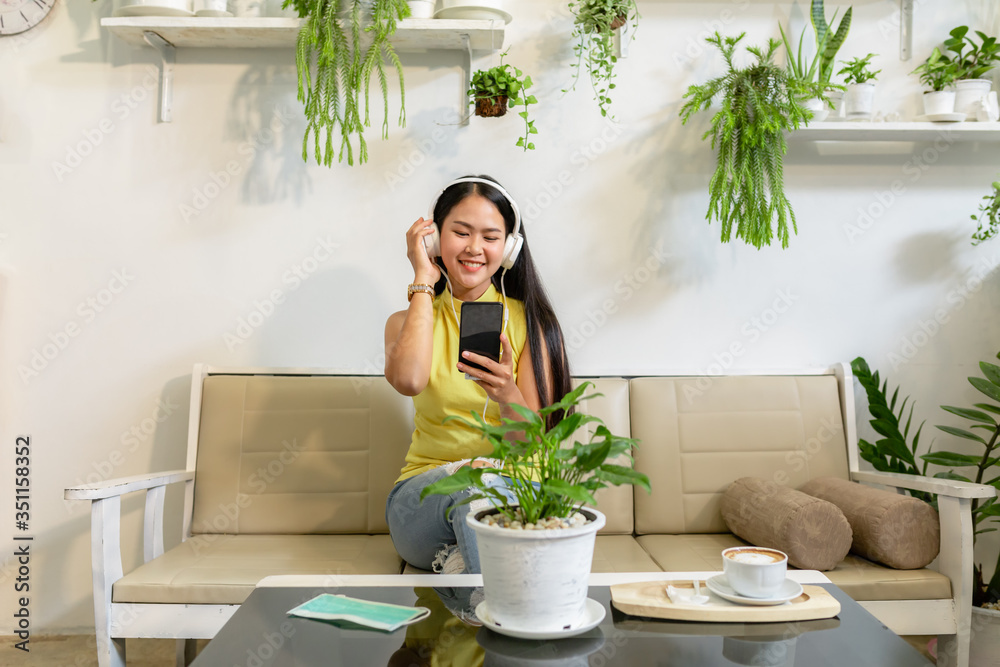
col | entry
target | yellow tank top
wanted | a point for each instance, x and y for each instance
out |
(448, 393)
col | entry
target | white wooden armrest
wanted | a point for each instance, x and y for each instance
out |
(122, 485)
(942, 487)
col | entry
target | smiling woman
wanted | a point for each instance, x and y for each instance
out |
(473, 250)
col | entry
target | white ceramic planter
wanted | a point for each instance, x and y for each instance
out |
(819, 108)
(859, 101)
(421, 9)
(985, 646)
(536, 579)
(936, 102)
(970, 94)
(837, 98)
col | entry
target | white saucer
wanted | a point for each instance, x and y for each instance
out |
(471, 12)
(943, 117)
(593, 614)
(155, 8)
(720, 586)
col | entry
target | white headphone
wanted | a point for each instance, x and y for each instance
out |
(511, 247)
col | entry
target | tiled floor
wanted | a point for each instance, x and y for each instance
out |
(81, 651)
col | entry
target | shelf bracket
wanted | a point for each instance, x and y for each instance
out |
(167, 60)
(463, 109)
(905, 29)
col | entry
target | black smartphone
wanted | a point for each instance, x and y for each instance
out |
(480, 331)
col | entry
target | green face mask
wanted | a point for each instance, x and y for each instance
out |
(345, 612)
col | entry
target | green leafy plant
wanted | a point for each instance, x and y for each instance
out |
(857, 70)
(828, 41)
(493, 89)
(893, 452)
(938, 71)
(594, 25)
(989, 218)
(979, 59)
(759, 104)
(334, 68)
(985, 464)
(567, 476)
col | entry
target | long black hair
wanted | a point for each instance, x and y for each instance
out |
(522, 282)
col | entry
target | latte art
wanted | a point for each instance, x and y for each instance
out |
(754, 557)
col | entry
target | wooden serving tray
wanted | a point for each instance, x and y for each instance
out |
(649, 598)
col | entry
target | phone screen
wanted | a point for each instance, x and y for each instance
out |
(480, 331)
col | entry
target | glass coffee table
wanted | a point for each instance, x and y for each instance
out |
(261, 634)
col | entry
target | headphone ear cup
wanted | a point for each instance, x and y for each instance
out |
(433, 243)
(511, 249)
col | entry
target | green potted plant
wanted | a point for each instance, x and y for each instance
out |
(820, 69)
(938, 73)
(759, 104)
(335, 65)
(536, 554)
(594, 26)
(493, 89)
(973, 64)
(860, 80)
(989, 216)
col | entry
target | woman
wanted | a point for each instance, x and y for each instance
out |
(476, 223)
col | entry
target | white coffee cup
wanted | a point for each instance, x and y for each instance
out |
(755, 572)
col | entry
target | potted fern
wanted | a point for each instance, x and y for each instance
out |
(340, 45)
(536, 553)
(594, 26)
(860, 80)
(759, 104)
(989, 216)
(493, 89)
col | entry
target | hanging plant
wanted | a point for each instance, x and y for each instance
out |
(759, 104)
(989, 218)
(493, 89)
(594, 25)
(340, 46)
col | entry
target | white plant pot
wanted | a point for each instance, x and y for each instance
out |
(859, 101)
(536, 579)
(421, 9)
(969, 96)
(984, 650)
(837, 98)
(942, 101)
(819, 108)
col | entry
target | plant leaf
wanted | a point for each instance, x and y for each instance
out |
(962, 433)
(950, 459)
(974, 415)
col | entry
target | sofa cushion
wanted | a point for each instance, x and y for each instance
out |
(612, 408)
(298, 455)
(813, 532)
(223, 569)
(697, 435)
(859, 578)
(899, 531)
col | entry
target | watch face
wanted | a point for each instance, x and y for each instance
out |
(19, 15)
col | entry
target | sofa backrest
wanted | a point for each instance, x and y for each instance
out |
(302, 454)
(298, 454)
(699, 434)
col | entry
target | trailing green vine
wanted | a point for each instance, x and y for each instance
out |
(989, 218)
(594, 25)
(758, 106)
(334, 67)
(491, 90)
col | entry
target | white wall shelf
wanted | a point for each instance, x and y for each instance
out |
(902, 131)
(167, 33)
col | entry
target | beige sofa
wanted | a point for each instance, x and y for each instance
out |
(288, 471)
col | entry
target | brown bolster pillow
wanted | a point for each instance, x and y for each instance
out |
(813, 532)
(902, 532)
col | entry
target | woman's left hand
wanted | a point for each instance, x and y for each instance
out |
(498, 378)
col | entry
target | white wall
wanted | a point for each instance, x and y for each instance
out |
(635, 194)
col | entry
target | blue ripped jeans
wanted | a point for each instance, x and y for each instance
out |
(420, 529)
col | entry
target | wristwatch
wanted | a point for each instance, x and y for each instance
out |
(413, 288)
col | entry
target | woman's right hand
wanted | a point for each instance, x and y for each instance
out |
(424, 270)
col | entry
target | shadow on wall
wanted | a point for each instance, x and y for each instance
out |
(267, 119)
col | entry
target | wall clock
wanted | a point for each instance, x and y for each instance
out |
(19, 15)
